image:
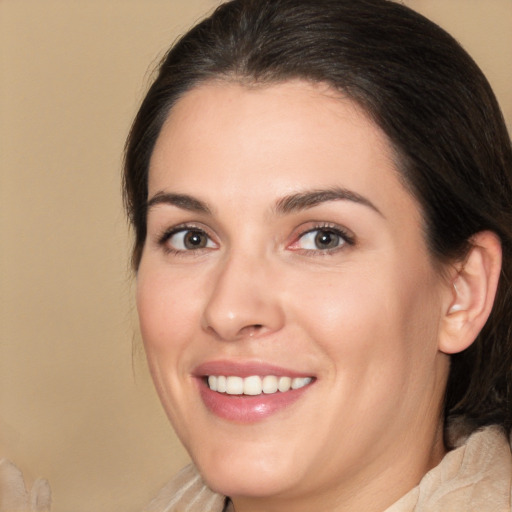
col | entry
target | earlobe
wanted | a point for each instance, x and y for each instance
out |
(473, 289)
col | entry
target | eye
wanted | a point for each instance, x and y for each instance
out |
(187, 239)
(322, 239)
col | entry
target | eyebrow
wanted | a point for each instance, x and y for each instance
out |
(288, 204)
(183, 201)
(309, 199)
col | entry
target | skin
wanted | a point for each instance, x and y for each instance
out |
(363, 318)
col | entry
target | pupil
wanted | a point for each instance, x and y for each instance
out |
(326, 240)
(194, 240)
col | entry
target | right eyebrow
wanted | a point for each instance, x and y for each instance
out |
(183, 201)
(309, 199)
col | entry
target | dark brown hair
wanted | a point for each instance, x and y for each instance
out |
(422, 89)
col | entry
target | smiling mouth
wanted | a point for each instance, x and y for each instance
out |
(255, 385)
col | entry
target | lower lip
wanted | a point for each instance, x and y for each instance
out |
(245, 408)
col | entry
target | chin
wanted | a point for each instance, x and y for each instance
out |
(238, 473)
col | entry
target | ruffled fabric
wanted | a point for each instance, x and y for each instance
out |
(474, 477)
(187, 492)
(14, 496)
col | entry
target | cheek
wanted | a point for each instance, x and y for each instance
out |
(383, 320)
(165, 312)
(379, 342)
(339, 308)
(167, 320)
(166, 325)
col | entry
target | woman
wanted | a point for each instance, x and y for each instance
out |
(321, 198)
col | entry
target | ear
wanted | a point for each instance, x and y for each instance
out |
(472, 289)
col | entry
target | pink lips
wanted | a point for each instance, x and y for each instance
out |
(242, 408)
(244, 369)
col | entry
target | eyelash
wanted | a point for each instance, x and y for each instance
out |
(345, 237)
(184, 228)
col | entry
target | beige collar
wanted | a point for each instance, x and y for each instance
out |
(475, 477)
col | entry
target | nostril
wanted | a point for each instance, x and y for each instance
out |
(251, 330)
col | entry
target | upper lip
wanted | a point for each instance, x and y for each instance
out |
(245, 369)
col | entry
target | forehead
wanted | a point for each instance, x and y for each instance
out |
(232, 140)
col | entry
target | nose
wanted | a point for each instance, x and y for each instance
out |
(243, 300)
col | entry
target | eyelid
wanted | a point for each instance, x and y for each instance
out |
(168, 233)
(345, 234)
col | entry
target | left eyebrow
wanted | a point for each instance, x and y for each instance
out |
(309, 199)
(183, 201)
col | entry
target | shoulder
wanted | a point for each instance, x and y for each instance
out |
(476, 476)
(187, 492)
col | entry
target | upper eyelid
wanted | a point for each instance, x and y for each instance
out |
(166, 233)
(162, 241)
(348, 235)
(325, 226)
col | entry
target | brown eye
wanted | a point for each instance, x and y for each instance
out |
(327, 240)
(321, 240)
(195, 240)
(189, 240)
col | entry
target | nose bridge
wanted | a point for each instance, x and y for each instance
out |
(242, 300)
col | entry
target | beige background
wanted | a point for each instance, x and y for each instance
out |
(75, 406)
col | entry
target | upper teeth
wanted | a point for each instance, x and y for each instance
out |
(255, 385)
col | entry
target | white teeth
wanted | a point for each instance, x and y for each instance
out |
(234, 385)
(221, 384)
(255, 385)
(252, 385)
(269, 384)
(284, 384)
(212, 382)
(300, 382)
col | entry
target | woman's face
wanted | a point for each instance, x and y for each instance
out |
(282, 249)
